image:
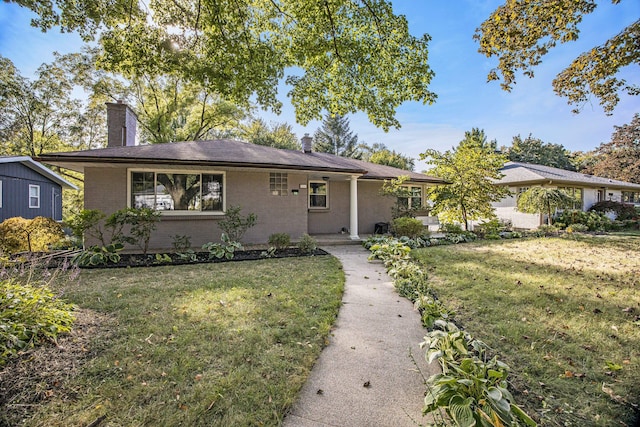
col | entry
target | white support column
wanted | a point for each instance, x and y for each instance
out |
(353, 208)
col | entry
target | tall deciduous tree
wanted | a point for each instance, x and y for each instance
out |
(620, 157)
(544, 200)
(521, 32)
(379, 153)
(335, 137)
(345, 55)
(36, 115)
(536, 151)
(277, 135)
(471, 168)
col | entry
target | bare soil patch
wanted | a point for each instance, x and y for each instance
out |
(43, 372)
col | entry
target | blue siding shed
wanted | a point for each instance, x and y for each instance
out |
(28, 189)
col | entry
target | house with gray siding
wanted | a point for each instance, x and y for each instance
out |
(193, 183)
(29, 189)
(587, 189)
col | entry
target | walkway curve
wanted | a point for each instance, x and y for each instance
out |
(367, 375)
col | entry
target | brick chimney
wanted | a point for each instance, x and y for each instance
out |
(121, 125)
(306, 143)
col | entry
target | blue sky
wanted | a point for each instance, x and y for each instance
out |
(465, 99)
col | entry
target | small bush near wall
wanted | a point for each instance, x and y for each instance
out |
(407, 226)
(623, 212)
(279, 240)
(19, 235)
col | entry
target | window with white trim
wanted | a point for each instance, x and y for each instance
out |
(318, 195)
(34, 196)
(177, 191)
(278, 184)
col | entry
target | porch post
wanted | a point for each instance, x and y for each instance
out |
(353, 208)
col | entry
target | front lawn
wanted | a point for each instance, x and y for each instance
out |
(564, 313)
(212, 344)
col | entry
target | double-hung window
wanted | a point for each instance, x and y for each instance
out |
(631, 197)
(318, 194)
(186, 192)
(576, 193)
(34, 196)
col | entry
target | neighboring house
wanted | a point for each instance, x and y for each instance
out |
(28, 189)
(193, 183)
(588, 189)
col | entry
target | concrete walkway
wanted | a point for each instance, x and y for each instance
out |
(365, 376)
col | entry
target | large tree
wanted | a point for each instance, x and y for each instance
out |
(336, 137)
(520, 32)
(534, 150)
(620, 157)
(277, 135)
(471, 168)
(379, 153)
(343, 56)
(35, 115)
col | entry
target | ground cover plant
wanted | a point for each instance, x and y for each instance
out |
(208, 344)
(563, 312)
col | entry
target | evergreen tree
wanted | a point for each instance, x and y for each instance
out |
(336, 137)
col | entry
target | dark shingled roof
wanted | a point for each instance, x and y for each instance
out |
(525, 173)
(38, 168)
(228, 153)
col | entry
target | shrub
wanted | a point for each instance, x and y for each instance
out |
(87, 222)
(593, 220)
(307, 244)
(29, 316)
(547, 230)
(18, 234)
(407, 226)
(142, 222)
(280, 240)
(235, 225)
(577, 228)
(623, 211)
(99, 255)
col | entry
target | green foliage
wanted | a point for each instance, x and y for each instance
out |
(471, 168)
(163, 259)
(396, 189)
(226, 249)
(280, 240)
(99, 255)
(87, 222)
(30, 315)
(379, 154)
(536, 151)
(406, 226)
(180, 243)
(620, 157)
(592, 220)
(39, 234)
(623, 211)
(307, 244)
(347, 56)
(277, 135)
(544, 200)
(521, 33)
(335, 137)
(141, 221)
(234, 225)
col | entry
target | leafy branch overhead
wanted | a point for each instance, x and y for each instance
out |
(345, 55)
(519, 33)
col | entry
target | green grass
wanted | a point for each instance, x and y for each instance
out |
(561, 312)
(213, 345)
